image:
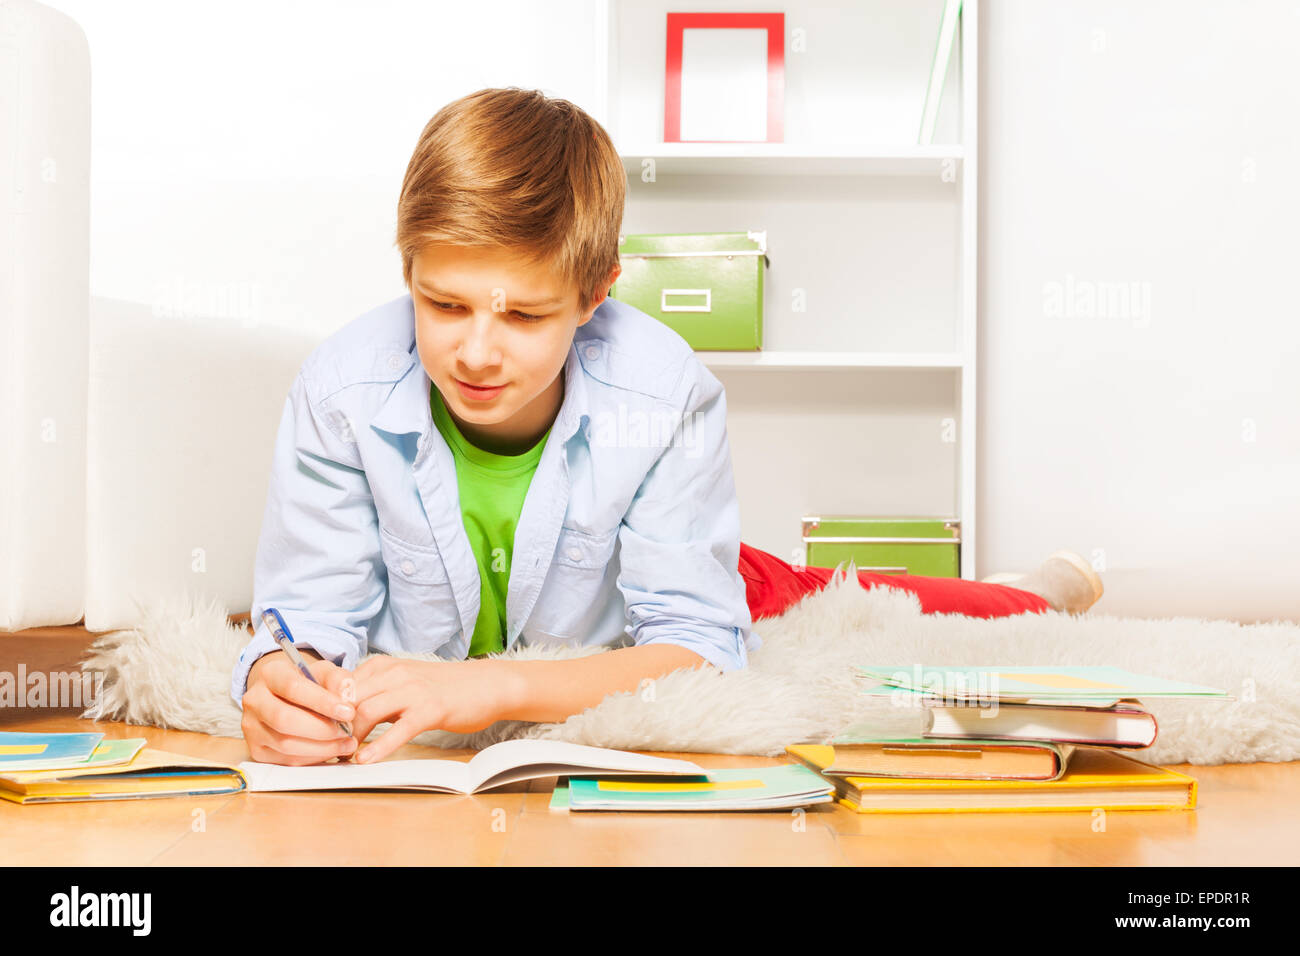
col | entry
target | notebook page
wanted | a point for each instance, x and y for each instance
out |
(447, 775)
(513, 760)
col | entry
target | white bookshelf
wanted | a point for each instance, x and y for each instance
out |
(804, 359)
(785, 159)
(866, 399)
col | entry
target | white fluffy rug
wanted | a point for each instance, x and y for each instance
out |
(173, 670)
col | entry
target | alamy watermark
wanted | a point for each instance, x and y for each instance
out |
(57, 689)
(76, 908)
(945, 687)
(637, 428)
(184, 298)
(1097, 299)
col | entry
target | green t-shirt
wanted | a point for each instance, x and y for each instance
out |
(492, 489)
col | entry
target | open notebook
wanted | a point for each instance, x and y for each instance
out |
(495, 766)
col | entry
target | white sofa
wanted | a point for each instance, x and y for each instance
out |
(44, 296)
(182, 419)
(136, 442)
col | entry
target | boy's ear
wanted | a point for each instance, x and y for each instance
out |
(613, 277)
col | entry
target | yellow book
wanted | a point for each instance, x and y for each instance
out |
(930, 758)
(1097, 778)
(152, 773)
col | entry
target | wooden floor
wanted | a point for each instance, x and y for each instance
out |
(1246, 816)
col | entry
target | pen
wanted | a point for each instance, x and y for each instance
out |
(280, 632)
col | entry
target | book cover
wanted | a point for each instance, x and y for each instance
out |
(1125, 724)
(27, 751)
(1098, 685)
(855, 754)
(732, 788)
(948, 26)
(152, 773)
(1121, 723)
(1097, 778)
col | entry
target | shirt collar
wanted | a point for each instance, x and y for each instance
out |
(406, 410)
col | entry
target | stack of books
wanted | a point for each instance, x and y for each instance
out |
(1007, 738)
(63, 768)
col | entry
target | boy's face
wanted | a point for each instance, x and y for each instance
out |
(483, 317)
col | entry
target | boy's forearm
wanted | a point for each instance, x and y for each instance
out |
(549, 691)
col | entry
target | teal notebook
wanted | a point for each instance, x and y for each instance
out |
(25, 751)
(1094, 686)
(734, 788)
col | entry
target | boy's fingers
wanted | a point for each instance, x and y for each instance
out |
(369, 716)
(376, 683)
(293, 746)
(288, 683)
(375, 664)
(396, 735)
(338, 681)
(287, 716)
(327, 672)
(267, 752)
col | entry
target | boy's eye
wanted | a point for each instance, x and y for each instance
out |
(450, 307)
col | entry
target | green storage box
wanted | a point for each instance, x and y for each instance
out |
(928, 546)
(707, 287)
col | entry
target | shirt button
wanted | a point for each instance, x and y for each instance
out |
(575, 553)
(408, 566)
(593, 351)
(394, 362)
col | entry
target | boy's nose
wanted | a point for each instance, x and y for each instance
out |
(479, 349)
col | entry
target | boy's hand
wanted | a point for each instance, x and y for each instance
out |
(457, 696)
(290, 720)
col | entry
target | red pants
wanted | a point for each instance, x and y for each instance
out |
(773, 585)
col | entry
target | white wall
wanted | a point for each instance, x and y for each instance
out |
(247, 156)
(1152, 146)
(246, 160)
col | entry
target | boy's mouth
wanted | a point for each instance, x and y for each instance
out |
(478, 393)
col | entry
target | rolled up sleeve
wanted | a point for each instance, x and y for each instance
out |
(680, 539)
(318, 555)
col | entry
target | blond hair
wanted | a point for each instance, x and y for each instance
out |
(518, 170)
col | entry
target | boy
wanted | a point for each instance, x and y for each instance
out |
(503, 454)
(507, 454)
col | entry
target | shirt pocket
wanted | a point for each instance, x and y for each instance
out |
(578, 585)
(420, 596)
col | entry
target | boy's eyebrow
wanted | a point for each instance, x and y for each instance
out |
(439, 293)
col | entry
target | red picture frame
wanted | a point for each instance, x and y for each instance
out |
(773, 23)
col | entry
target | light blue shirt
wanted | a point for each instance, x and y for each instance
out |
(629, 533)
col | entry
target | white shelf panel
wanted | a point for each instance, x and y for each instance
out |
(793, 360)
(792, 159)
(845, 443)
